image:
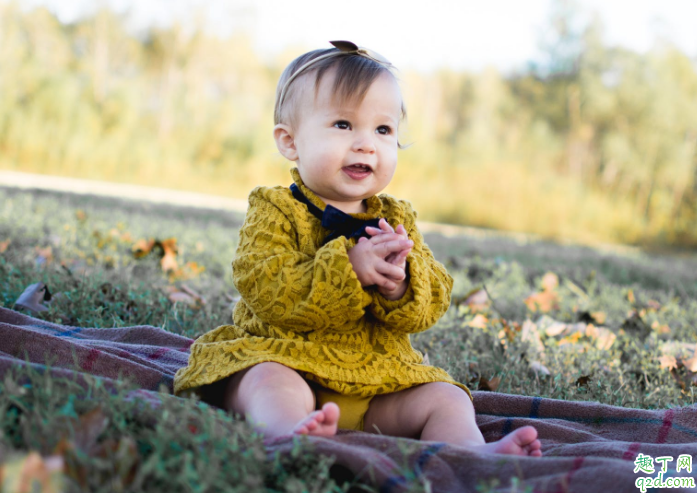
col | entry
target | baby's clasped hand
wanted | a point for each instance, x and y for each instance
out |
(368, 261)
(398, 258)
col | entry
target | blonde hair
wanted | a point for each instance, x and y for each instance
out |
(354, 76)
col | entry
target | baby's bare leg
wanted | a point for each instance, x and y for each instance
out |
(277, 401)
(444, 413)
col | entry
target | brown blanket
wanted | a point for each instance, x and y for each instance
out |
(588, 447)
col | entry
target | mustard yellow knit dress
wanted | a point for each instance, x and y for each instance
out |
(302, 305)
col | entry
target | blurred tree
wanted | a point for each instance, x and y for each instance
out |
(591, 142)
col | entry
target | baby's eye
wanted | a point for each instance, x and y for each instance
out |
(342, 125)
(384, 130)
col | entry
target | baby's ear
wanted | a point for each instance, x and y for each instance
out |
(285, 142)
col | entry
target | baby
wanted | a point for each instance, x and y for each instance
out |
(334, 278)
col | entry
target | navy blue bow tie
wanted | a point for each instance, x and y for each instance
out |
(337, 222)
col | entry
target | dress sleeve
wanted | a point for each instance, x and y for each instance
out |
(428, 295)
(288, 288)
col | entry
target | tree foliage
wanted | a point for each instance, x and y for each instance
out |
(594, 142)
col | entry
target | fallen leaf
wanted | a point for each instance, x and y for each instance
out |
(583, 380)
(489, 385)
(188, 271)
(477, 300)
(80, 215)
(509, 332)
(604, 338)
(668, 362)
(538, 369)
(531, 335)
(545, 301)
(30, 473)
(556, 329)
(142, 247)
(186, 295)
(571, 339)
(33, 296)
(169, 257)
(4, 245)
(630, 296)
(599, 317)
(478, 322)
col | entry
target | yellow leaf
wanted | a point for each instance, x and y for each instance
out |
(545, 301)
(571, 339)
(4, 245)
(169, 259)
(142, 247)
(479, 322)
(668, 362)
(30, 473)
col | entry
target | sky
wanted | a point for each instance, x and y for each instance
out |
(423, 35)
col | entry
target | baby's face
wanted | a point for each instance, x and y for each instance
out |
(347, 153)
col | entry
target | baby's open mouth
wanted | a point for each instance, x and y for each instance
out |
(357, 171)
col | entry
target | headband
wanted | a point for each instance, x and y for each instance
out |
(344, 48)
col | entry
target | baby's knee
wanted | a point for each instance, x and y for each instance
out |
(267, 377)
(272, 375)
(445, 394)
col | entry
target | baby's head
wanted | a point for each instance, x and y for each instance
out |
(337, 116)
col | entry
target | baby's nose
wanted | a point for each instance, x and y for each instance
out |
(363, 143)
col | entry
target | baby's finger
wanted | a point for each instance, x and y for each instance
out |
(398, 258)
(362, 239)
(401, 230)
(402, 256)
(385, 237)
(386, 283)
(372, 231)
(388, 247)
(385, 226)
(389, 270)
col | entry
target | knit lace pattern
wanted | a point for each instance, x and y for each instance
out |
(302, 305)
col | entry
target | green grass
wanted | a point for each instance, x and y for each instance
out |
(647, 300)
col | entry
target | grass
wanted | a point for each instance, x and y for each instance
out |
(82, 249)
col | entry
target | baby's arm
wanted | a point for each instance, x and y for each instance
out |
(368, 258)
(287, 287)
(397, 258)
(427, 296)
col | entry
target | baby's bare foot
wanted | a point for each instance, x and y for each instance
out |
(321, 423)
(522, 441)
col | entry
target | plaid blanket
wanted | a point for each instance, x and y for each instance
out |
(588, 447)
